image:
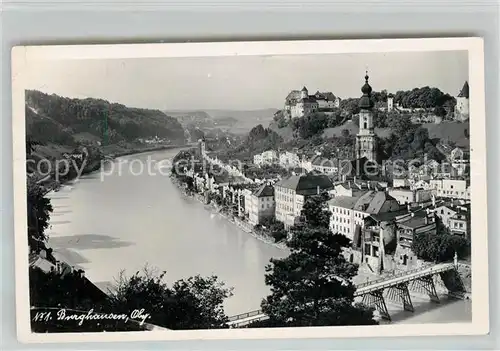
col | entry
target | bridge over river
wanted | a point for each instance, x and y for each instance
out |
(373, 293)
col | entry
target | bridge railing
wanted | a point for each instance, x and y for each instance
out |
(397, 275)
(245, 315)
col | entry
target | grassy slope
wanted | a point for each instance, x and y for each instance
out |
(455, 131)
(452, 130)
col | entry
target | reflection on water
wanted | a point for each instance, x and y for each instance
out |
(122, 221)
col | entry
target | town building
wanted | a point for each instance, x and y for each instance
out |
(455, 217)
(401, 182)
(324, 165)
(365, 139)
(419, 223)
(266, 158)
(289, 159)
(384, 240)
(462, 106)
(290, 194)
(261, 204)
(348, 212)
(406, 195)
(451, 188)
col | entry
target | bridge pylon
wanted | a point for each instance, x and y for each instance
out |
(400, 292)
(376, 299)
(426, 284)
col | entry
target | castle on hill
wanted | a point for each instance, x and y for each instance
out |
(300, 103)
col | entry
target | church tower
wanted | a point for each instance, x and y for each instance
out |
(365, 140)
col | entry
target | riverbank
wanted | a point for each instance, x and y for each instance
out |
(111, 152)
(127, 152)
(245, 226)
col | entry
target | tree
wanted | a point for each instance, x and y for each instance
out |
(313, 285)
(95, 116)
(440, 111)
(275, 228)
(399, 124)
(194, 303)
(440, 247)
(310, 125)
(466, 133)
(350, 106)
(39, 209)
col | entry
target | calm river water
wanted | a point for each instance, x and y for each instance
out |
(122, 219)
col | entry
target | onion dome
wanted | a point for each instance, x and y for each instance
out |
(365, 102)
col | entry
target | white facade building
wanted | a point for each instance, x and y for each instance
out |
(261, 204)
(349, 212)
(289, 160)
(290, 194)
(451, 188)
(266, 158)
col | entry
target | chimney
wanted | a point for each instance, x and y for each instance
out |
(412, 214)
(408, 208)
(426, 219)
(317, 190)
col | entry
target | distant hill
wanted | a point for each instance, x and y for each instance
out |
(199, 119)
(233, 121)
(61, 120)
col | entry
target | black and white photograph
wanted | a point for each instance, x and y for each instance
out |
(222, 190)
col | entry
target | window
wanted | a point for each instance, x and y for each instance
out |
(367, 250)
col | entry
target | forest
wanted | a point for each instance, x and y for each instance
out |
(52, 118)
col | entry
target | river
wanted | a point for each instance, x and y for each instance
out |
(120, 218)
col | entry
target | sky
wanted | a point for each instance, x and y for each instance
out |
(244, 82)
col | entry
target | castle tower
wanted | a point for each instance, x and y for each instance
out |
(390, 102)
(201, 148)
(462, 107)
(304, 94)
(365, 140)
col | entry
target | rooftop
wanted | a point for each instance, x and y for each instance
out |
(343, 201)
(465, 91)
(264, 191)
(415, 222)
(301, 183)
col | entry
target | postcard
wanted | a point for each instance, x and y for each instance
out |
(250, 190)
